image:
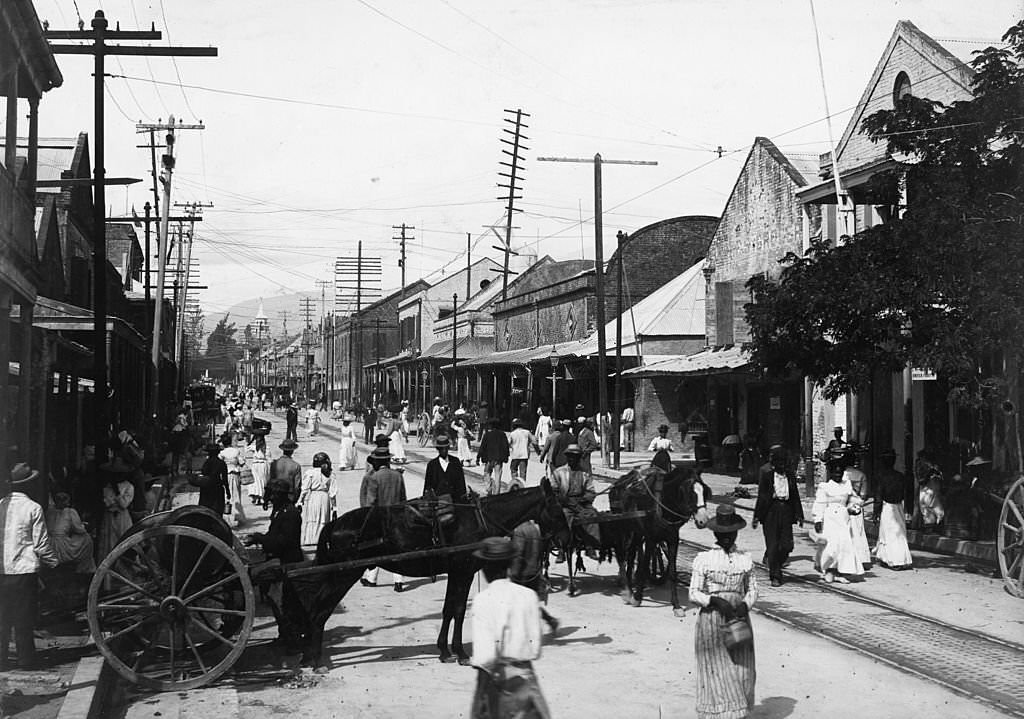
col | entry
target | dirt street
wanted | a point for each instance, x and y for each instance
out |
(607, 660)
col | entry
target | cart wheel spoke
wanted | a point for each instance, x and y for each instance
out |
(195, 567)
(170, 659)
(1013, 508)
(210, 632)
(174, 564)
(233, 577)
(195, 652)
(151, 606)
(149, 645)
(121, 578)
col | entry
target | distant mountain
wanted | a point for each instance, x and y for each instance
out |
(274, 306)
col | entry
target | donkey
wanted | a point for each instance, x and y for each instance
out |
(381, 531)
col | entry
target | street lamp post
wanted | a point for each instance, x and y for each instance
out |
(555, 359)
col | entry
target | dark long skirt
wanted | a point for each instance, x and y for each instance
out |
(515, 696)
(725, 677)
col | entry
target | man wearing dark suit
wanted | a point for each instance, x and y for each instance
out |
(444, 473)
(778, 508)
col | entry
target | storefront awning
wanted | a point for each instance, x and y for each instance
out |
(717, 360)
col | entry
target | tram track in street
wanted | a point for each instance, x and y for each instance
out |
(973, 664)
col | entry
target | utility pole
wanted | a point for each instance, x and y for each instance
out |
(602, 352)
(469, 265)
(515, 168)
(306, 310)
(99, 49)
(621, 237)
(402, 264)
(455, 348)
(283, 314)
(192, 210)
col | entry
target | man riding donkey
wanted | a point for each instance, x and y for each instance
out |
(575, 490)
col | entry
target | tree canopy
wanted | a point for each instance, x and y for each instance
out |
(222, 350)
(940, 286)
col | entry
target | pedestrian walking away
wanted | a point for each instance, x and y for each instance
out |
(891, 549)
(259, 466)
(661, 442)
(626, 429)
(527, 568)
(778, 508)
(235, 461)
(291, 420)
(212, 481)
(26, 546)
(724, 586)
(520, 443)
(317, 499)
(381, 487)
(506, 641)
(588, 443)
(492, 454)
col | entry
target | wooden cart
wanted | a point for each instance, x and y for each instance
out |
(1010, 539)
(171, 607)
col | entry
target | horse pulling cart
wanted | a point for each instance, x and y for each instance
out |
(171, 607)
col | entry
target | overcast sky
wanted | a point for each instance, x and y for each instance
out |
(390, 111)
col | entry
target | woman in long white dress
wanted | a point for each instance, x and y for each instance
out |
(347, 451)
(260, 468)
(859, 482)
(462, 448)
(397, 446)
(833, 505)
(234, 458)
(543, 427)
(318, 498)
(891, 549)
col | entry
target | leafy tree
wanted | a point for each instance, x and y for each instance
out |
(940, 287)
(222, 350)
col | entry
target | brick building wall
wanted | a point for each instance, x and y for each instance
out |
(760, 224)
(674, 401)
(553, 303)
(656, 254)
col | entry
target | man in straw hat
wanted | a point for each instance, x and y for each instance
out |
(25, 545)
(724, 586)
(575, 491)
(445, 474)
(382, 487)
(506, 640)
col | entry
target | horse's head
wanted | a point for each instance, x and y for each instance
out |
(552, 519)
(690, 495)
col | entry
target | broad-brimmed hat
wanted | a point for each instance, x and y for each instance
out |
(978, 461)
(442, 440)
(573, 449)
(497, 550)
(382, 440)
(837, 428)
(516, 422)
(380, 453)
(288, 444)
(21, 473)
(726, 520)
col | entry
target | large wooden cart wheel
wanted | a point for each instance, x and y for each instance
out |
(1011, 539)
(171, 608)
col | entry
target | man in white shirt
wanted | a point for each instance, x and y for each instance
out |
(26, 545)
(519, 443)
(626, 429)
(506, 640)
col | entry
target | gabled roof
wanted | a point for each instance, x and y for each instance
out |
(938, 57)
(122, 239)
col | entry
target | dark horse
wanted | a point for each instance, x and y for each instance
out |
(671, 496)
(381, 531)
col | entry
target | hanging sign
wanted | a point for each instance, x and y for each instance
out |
(921, 375)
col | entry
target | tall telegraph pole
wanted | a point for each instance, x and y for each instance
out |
(513, 176)
(99, 49)
(602, 353)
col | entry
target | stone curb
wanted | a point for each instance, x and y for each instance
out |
(91, 692)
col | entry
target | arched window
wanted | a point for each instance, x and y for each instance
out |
(901, 88)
